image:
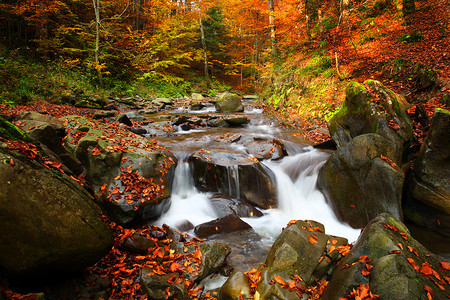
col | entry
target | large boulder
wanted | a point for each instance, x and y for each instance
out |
(377, 110)
(50, 131)
(360, 180)
(235, 174)
(129, 175)
(229, 103)
(430, 180)
(389, 261)
(49, 225)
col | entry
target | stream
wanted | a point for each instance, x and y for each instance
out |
(295, 176)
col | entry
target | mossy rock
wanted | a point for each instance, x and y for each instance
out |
(230, 103)
(393, 253)
(9, 131)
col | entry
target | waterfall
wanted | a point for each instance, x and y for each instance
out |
(233, 181)
(187, 203)
(298, 197)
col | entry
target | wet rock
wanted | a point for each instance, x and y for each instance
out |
(25, 119)
(227, 224)
(430, 181)
(236, 287)
(155, 286)
(225, 205)
(359, 184)
(392, 254)
(230, 103)
(138, 130)
(235, 121)
(236, 175)
(180, 120)
(123, 118)
(50, 225)
(197, 106)
(360, 116)
(87, 104)
(217, 123)
(266, 149)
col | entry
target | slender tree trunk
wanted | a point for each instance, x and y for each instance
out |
(205, 53)
(97, 39)
(273, 37)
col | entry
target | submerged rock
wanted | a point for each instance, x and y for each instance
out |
(227, 224)
(225, 205)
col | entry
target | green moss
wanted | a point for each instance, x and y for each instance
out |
(443, 110)
(10, 131)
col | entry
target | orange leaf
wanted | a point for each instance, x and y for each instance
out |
(279, 280)
(400, 245)
(413, 263)
(334, 241)
(404, 235)
(312, 239)
(445, 265)
(426, 269)
(430, 293)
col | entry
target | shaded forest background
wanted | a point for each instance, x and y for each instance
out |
(298, 54)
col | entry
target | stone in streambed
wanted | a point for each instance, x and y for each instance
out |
(227, 224)
(221, 172)
(236, 287)
(225, 205)
(230, 103)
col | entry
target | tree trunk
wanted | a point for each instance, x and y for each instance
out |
(205, 53)
(273, 37)
(97, 39)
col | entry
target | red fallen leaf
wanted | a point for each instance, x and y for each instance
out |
(312, 239)
(365, 272)
(404, 235)
(411, 249)
(430, 293)
(447, 278)
(445, 265)
(400, 245)
(11, 162)
(174, 267)
(96, 151)
(279, 280)
(426, 269)
(413, 263)
(395, 252)
(198, 254)
(391, 227)
(334, 241)
(365, 259)
(292, 222)
(31, 127)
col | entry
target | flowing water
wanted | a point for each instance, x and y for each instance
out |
(296, 176)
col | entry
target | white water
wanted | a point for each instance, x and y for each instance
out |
(298, 198)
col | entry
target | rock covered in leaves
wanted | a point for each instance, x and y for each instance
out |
(129, 173)
(386, 261)
(253, 182)
(229, 103)
(430, 182)
(360, 180)
(298, 264)
(374, 109)
(50, 225)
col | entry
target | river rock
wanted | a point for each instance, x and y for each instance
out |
(430, 180)
(124, 119)
(129, 177)
(225, 205)
(237, 175)
(395, 265)
(50, 226)
(262, 148)
(197, 96)
(162, 102)
(236, 121)
(197, 106)
(227, 224)
(386, 115)
(236, 287)
(104, 114)
(219, 122)
(26, 117)
(230, 103)
(359, 183)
